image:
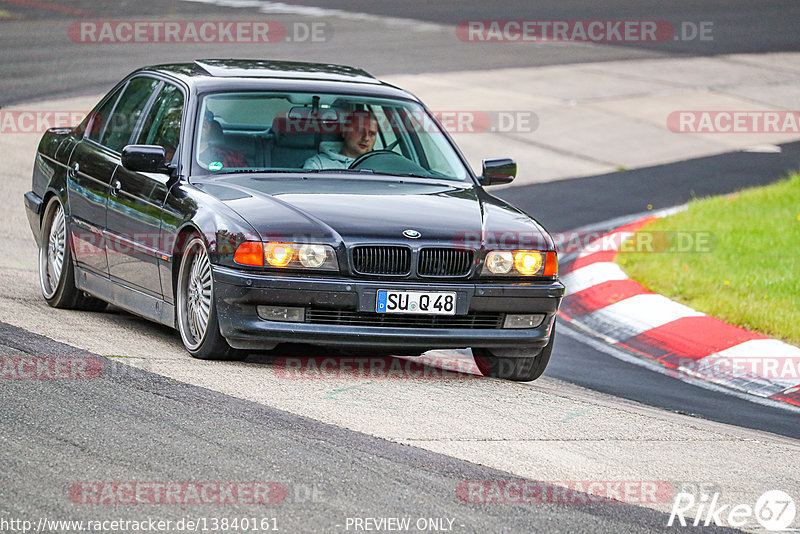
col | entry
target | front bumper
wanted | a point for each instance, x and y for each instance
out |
(238, 293)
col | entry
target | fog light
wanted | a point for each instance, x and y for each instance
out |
(523, 321)
(281, 313)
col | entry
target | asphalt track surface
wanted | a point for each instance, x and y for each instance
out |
(568, 204)
(39, 59)
(165, 430)
(57, 435)
(741, 26)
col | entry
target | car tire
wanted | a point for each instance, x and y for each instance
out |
(196, 306)
(56, 271)
(501, 364)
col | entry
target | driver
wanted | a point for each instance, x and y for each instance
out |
(210, 149)
(358, 137)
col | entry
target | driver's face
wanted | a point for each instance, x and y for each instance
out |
(359, 138)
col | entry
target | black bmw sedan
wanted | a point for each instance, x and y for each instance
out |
(249, 203)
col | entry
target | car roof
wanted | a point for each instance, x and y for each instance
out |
(235, 74)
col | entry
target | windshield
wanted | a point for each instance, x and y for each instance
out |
(308, 132)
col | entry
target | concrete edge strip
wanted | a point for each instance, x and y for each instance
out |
(687, 344)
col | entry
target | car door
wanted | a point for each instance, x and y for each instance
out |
(91, 168)
(93, 165)
(135, 202)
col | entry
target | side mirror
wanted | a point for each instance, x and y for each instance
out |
(498, 171)
(145, 158)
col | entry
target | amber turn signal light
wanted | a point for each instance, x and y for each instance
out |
(250, 253)
(551, 264)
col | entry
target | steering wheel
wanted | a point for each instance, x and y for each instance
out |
(379, 154)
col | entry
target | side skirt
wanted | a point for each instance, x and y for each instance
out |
(129, 299)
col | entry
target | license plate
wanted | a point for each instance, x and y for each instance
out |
(424, 302)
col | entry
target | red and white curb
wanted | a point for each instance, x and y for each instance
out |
(692, 346)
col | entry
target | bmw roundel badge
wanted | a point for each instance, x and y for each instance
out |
(411, 234)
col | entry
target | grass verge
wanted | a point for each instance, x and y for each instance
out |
(735, 257)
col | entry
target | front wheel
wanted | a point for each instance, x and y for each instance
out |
(510, 365)
(197, 311)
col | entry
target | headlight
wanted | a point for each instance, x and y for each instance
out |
(301, 256)
(520, 262)
(287, 255)
(279, 254)
(499, 261)
(312, 256)
(528, 261)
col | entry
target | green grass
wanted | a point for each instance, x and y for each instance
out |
(751, 275)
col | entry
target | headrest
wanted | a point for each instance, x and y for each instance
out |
(305, 124)
(215, 134)
(296, 130)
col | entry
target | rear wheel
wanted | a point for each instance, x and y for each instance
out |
(56, 272)
(197, 313)
(510, 364)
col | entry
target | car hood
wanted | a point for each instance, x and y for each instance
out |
(367, 210)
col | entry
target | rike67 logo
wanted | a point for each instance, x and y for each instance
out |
(775, 511)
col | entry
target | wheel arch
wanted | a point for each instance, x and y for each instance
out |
(183, 236)
(49, 194)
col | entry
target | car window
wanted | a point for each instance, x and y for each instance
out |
(123, 120)
(96, 121)
(387, 136)
(162, 126)
(304, 131)
(435, 158)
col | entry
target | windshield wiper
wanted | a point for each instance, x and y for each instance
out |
(294, 171)
(348, 171)
(371, 171)
(331, 171)
(404, 174)
(253, 170)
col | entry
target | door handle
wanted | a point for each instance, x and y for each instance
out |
(116, 187)
(74, 170)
